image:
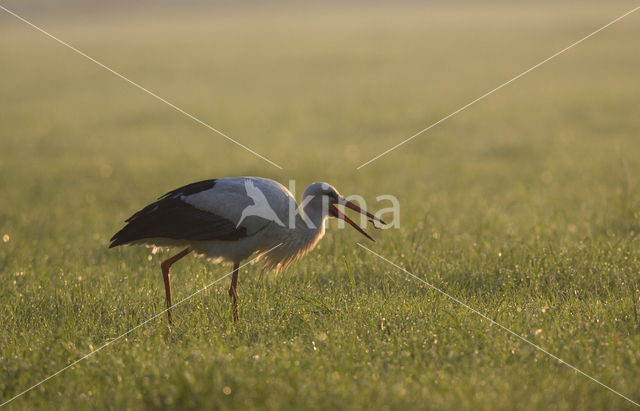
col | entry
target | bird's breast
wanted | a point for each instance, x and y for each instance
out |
(294, 243)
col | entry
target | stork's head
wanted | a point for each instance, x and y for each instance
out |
(321, 198)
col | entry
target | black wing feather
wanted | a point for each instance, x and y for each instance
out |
(190, 189)
(170, 217)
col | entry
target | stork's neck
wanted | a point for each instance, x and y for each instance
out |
(312, 215)
(298, 240)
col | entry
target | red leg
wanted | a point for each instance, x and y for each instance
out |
(166, 269)
(233, 291)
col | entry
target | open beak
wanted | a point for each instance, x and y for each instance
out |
(338, 214)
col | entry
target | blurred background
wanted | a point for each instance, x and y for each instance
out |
(550, 162)
(319, 89)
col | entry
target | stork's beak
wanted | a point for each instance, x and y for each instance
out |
(338, 214)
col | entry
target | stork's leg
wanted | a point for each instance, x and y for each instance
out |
(233, 291)
(166, 269)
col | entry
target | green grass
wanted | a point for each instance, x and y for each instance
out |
(525, 206)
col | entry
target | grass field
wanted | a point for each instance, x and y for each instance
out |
(525, 206)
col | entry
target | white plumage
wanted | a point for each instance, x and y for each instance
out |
(260, 207)
(228, 219)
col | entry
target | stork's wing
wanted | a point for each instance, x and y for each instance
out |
(190, 189)
(230, 197)
(255, 193)
(174, 218)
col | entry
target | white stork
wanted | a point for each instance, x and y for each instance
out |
(228, 219)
